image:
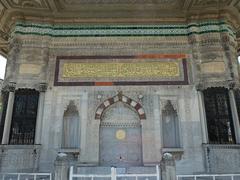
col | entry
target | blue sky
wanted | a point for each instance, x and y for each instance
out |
(2, 66)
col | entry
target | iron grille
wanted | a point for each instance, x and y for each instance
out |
(24, 117)
(219, 116)
(237, 99)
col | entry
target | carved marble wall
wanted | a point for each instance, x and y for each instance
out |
(19, 158)
(200, 49)
(222, 158)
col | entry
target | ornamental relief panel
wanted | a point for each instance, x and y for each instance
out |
(119, 70)
(211, 2)
(30, 69)
(39, 4)
(213, 68)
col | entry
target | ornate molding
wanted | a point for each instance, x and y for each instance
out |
(226, 84)
(80, 2)
(187, 29)
(28, 4)
(109, 11)
(119, 124)
(222, 146)
(211, 2)
(205, 85)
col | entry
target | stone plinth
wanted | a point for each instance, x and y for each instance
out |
(19, 158)
(222, 158)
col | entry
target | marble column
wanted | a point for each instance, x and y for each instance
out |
(234, 115)
(203, 119)
(8, 117)
(38, 133)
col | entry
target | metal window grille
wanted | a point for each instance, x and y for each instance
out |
(219, 117)
(24, 117)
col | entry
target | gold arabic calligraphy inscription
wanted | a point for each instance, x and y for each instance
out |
(121, 70)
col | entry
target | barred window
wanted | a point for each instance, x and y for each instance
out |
(237, 99)
(219, 117)
(24, 117)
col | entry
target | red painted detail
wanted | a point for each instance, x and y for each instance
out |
(103, 83)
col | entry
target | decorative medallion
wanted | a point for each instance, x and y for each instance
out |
(121, 134)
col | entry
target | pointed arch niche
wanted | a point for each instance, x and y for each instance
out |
(71, 127)
(170, 126)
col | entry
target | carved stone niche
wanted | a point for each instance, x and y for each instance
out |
(170, 129)
(71, 132)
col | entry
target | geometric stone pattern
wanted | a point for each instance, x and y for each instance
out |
(222, 158)
(110, 11)
(212, 26)
(120, 98)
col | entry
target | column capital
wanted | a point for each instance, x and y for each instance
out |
(231, 85)
(199, 87)
(11, 86)
(42, 87)
(168, 159)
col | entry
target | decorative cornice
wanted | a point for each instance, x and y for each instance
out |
(222, 146)
(122, 30)
(114, 12)
(213, 84)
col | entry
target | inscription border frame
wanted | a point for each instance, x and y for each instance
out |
(185, 80)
